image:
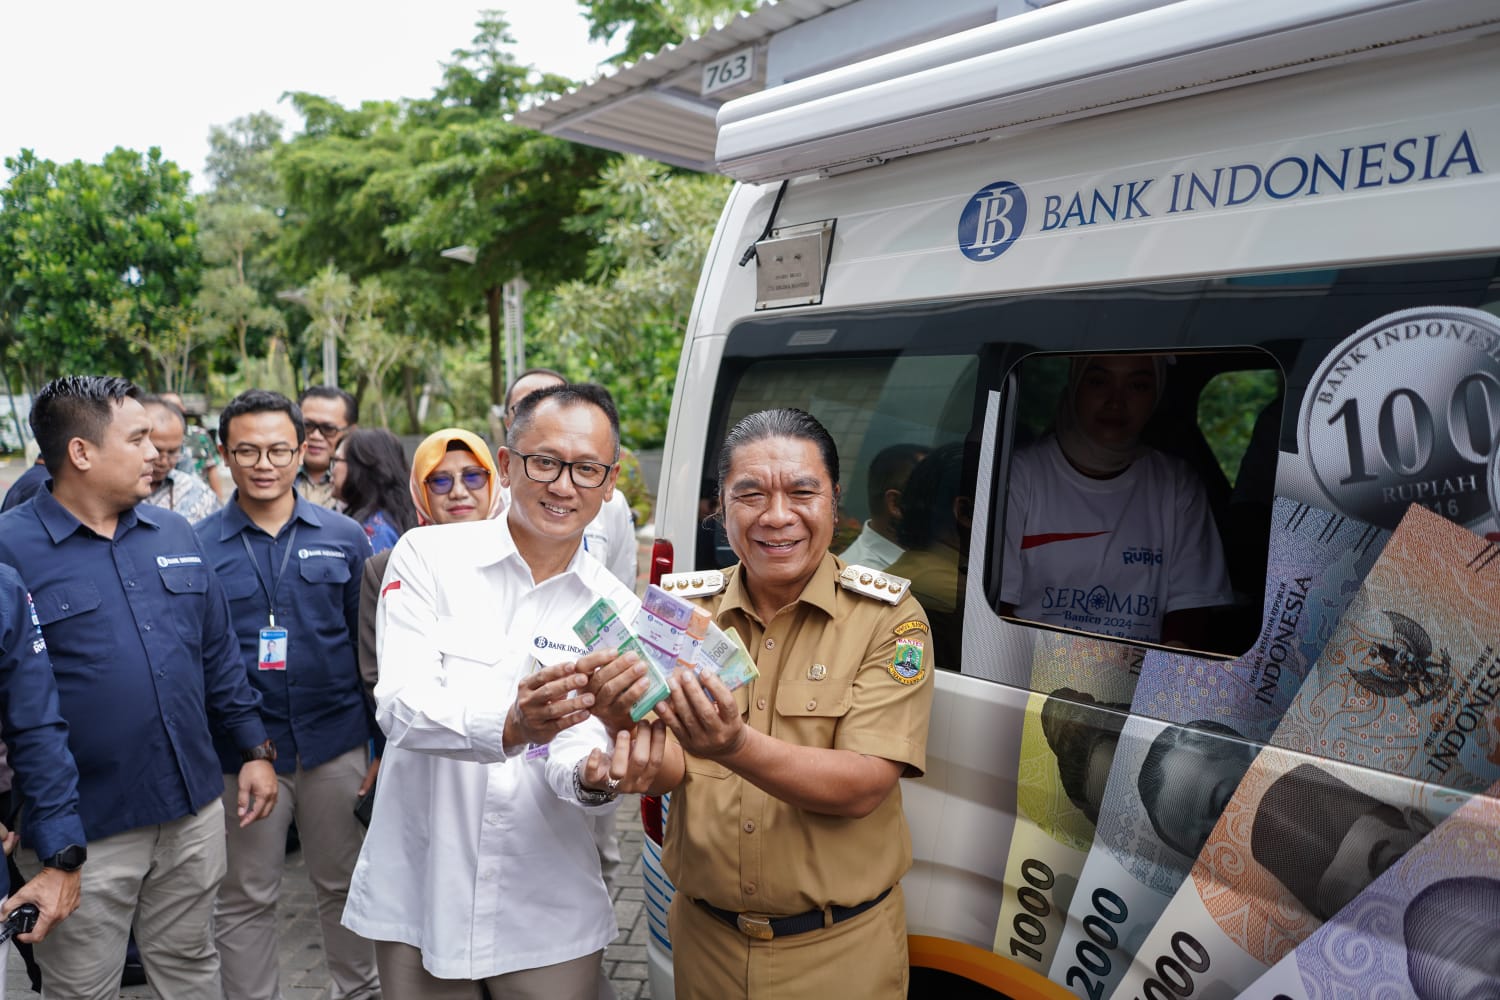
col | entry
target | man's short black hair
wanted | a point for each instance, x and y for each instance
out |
(260, 401)
(567, 394)
(351, 408)
(889, 470)
(79, 406)
(166, 404)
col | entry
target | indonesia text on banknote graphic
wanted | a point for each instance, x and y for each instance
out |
(1384, 697)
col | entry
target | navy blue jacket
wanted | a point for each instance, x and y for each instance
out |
(146, 664)
(316, 708)
(35, 732)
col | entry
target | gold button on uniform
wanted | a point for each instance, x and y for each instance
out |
(749, 826)
(817, 672)
(760, 703)
(770, 643)
(812, 705)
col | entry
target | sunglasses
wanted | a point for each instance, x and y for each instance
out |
(441, 484)
(327, 431)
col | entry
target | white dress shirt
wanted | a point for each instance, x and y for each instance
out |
(485, 864)
(872, 549)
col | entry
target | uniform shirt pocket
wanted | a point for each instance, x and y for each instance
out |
(66, 600)
(185, 579)
(323, 570)
(466, 651)
(239, 587)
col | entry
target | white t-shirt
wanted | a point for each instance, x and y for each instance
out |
(486, 864)
(1110, 556)
(871, 549)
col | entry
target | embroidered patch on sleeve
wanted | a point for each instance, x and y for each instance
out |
(909, 663)
(915, 625)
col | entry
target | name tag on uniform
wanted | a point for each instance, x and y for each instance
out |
(272, 649)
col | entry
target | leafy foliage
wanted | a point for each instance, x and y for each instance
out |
(80, 242)
(650, 24)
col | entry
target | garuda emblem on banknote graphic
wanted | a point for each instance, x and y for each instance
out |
(1404, 665)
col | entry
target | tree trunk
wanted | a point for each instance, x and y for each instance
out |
(497, 376)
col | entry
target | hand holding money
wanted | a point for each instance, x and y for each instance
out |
(632, 763)
(543, 708)
(702, 714)
(617, 682)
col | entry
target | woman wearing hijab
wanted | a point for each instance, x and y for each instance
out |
(1104, 533)
(453, 479)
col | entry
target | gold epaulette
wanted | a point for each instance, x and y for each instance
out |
(874, 583)
(700, 583)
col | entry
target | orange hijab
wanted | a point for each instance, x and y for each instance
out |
(430, 453)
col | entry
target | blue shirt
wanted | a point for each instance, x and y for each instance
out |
(381, 532)
(29, 484)
(34, 730)
(146, 665)
(315, 709)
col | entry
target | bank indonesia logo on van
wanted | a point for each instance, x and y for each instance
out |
(992, 220)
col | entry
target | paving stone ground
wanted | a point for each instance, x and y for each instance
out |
(305, 977)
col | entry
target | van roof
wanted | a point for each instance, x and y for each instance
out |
(1074, 60)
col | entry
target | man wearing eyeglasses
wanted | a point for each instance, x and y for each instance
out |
(479, 866)
(327, 414)
(172, 488)
(292, 571)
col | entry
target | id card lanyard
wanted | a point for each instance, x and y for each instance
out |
(273, 645)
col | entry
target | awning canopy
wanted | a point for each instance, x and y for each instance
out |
(657, 107)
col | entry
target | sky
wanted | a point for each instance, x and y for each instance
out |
(79, 77)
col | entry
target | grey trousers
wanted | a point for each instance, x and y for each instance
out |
(160, 880)
(322, 801)
(403, 978)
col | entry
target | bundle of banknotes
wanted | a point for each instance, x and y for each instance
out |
(667, 634)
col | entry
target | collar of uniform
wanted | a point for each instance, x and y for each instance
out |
(322, 480)
(60, 522)
(821, 591)
(235, 520)
(499, 545)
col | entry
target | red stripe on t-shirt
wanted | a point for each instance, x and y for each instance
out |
(393, 585)
(1032, 541)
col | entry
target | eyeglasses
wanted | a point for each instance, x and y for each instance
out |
(546, 469)
(441, 484)
(169, 455)
(328, 431)
(247, 455)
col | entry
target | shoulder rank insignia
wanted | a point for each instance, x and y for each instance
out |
(700, 583)
(874, 583)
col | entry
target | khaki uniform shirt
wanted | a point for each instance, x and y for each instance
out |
(837, 670)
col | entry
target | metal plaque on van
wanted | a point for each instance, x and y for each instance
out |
(792, 265)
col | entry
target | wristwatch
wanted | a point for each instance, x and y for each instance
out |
(266, 751)
(589, 796)
(69, 859)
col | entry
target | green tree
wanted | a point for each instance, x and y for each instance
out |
(623, 324)
(82, 241)
(650, 24)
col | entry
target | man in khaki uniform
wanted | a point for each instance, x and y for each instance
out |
(787, 837)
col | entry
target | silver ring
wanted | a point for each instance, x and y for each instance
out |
(612, 784)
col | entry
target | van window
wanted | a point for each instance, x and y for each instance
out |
(899, 422)
(1120, 495)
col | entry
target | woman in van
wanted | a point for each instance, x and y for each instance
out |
(1104, 533)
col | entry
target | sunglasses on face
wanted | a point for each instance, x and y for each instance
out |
(441, 484)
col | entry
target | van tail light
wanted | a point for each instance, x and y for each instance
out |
(651, 817)
(661, 559)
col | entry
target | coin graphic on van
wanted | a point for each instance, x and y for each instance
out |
(1406, 411)
(991, 220)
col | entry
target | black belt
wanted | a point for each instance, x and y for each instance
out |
(766, 928)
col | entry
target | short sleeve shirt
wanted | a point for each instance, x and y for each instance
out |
(1110, 556)
(837, 670)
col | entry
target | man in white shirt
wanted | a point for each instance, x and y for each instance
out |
(609, 538)
(479, 872)
(876, 545)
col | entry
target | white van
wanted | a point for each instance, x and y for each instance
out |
(1293, 207)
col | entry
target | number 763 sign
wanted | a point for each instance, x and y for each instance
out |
(728, 70)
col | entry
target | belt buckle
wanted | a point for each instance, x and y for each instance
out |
(758, 928)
